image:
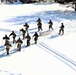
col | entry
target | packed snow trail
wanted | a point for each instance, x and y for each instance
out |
(71, 63)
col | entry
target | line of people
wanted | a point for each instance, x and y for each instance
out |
(50, 26)
(19, 41)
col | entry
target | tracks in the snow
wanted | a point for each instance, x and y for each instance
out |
(71, 63)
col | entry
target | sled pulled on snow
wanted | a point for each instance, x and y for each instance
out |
(44, 33)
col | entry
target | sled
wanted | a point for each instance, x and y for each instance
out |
(44, 33)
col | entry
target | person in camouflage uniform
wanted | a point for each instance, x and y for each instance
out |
(14, 36)
(26, 27)
(28, 39)
(39, 24)
(6, 38)
(23, 32)
(61, 29)
(50, 25)
(8, 45)
(35, 37)
(19, 43)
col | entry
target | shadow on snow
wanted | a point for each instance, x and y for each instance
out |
(15, 50)
(44, 15)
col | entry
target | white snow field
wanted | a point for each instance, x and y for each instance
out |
(53, 54)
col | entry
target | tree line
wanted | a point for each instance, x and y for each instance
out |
(33, 1)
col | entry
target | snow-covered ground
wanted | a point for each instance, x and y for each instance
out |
(53, 54)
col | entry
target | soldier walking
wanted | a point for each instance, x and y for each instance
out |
(28, 39)
(35, 37)
(6, 38)
(14, 36)
(39, 24)
(26, 27)
(23, 33)
(50, 25)
(61, 29)
(19, 43)
(8, 45)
